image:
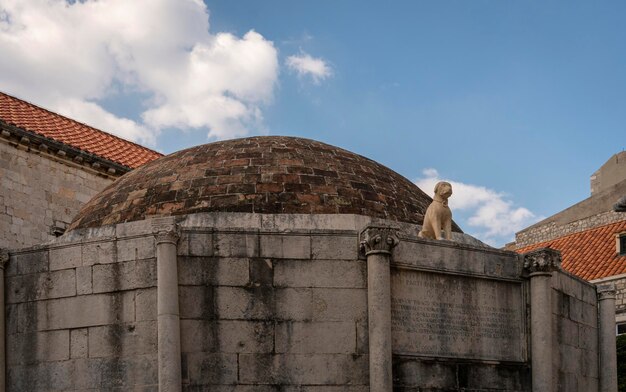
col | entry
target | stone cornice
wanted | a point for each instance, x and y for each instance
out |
(31, 141)
(378, 239)
(606, 291)
(542, 260)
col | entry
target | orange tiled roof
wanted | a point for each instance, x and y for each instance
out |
(589, 254)
(43, 122)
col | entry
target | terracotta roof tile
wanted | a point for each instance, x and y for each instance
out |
(589, 254)
(53, 126)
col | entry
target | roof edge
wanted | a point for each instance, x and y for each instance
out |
(69, 153)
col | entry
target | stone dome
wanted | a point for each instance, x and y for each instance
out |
(267, 174)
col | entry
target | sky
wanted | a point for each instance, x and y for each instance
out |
(515, 103)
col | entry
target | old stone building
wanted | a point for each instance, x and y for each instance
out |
(50, 166)
(285, 264)
(591, 235)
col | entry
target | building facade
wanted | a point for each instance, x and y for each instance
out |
(50, 166)
(285, 264)
(591, 235)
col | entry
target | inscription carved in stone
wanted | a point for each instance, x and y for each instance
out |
(451, 316)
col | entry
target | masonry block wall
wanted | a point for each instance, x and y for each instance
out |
(575, 326)
(81, 316)
(38, 193)
(277, 302)
(261, 309)
(554, 230)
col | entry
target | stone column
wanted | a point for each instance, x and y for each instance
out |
(606, 338)
(168, 317)
(376, 243)
(4, 259)
(540, 264)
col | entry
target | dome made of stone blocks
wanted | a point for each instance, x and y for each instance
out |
(266, 174)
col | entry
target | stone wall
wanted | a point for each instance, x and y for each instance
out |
(459, 319)
(81, 316)
(39, 193)
(261, 309)
(279, 302)
(552, 230)
(575, 323)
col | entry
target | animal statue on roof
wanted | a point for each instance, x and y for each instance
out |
(438, 216)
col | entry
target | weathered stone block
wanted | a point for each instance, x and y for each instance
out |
(442, 255)
(588, 338)
(79, 343)
(227, 336)
(90, 310)
(589, 363)
(334, 247)
(115, 374)
(146, 304)
(83, 280)
(196, 271)
(321, 304)
(362, 337)
(589, 294)
(423, 374)
(123, 340)
(210, 368)
(11, 320)
(99, 253)
(65, 257)
(45, 376)
(316, 369)
(320, 273)
(40, 286)
(286, 246)
(567, 331)
(136, 249)
(232, 244)
(244, 303)
(29, 348)
(200, 244)
(316, 337)
(31, 316)
(570, 359)
(589, 314)
(495, 378)
(28, 263)
(124, 276)
(196, 302)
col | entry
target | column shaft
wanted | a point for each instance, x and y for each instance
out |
(168, 318)
(379, 322)
(377, 242)
(541, 331)
(540, 264)
(606, 339)
(4, 258)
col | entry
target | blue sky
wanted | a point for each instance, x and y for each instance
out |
(517, 103)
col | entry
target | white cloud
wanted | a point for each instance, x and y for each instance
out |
(496, 218)
(305, 65)
(68, 56)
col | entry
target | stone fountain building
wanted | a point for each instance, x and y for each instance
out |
(285, 264)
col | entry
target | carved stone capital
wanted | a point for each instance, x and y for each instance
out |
(165, 230)
(542, 260)
(4, 257)
(606, 291)
(378, 239)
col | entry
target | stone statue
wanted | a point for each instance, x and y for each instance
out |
(438, 215)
